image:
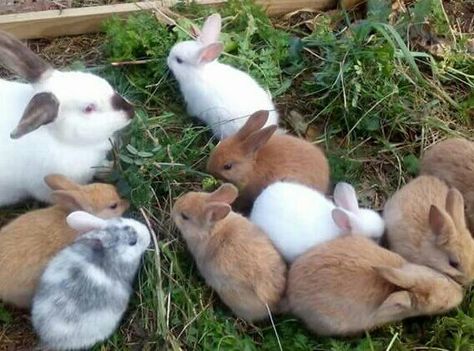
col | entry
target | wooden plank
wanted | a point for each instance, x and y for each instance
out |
(54, 23)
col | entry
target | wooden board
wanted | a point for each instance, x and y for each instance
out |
(75, 21)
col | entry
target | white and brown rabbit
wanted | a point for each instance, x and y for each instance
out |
(350, 284)
(220, 95)
(233, 255)
(255, 157)
(426, 224)
(59, 122)
(452, 160)
(31, 240)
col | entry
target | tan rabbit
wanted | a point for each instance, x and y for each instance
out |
(350, 284)
(31, 240)
(254, 158)
(235, 257)
(452, 160)
(426, 225)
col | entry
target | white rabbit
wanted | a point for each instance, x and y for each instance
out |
(296, 217)
(220, 95)
(59, 123)
(85, 289)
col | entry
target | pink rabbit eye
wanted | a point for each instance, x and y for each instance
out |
(89, 108)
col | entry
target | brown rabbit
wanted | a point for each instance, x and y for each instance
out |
(426, 225)
(254, 157)
(350, 284)
(235, 257)
(452, 160)
(31, 240)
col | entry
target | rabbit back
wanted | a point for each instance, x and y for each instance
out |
(295, 217)
(224, 97)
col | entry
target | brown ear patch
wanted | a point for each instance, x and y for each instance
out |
(18, 58)
(120, 104)
(42, 109)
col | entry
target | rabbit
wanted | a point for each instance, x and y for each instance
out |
(297, 218)
(426, 225)
(219, 95)
(350, 284)
(452, 160)
(254, 158)
(235, 257)
(31, 240)
(85, 289)
(60, 122)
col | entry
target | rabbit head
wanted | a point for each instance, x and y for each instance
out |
(234, 158)
(75, 107)
(196, 213)
(101, 200)
(349, 217)
(420, 290)
(190, 55)
(126, 238)
(453, 238)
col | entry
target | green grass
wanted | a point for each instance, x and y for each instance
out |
(366, 95)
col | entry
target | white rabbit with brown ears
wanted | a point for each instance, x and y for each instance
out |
(58, 122)
(220, 95)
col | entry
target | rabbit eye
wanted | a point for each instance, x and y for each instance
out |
(179, 60)
(454, 263)
(184, 217)
(113, 206)
(228, 166)
(133, 241)
(89, 108)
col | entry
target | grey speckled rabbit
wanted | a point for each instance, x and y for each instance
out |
(85, 289)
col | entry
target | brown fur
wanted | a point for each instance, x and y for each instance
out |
(31, 240)
(260, 158)
(426, 225)
(452, 160)
(235, 257)
(350, 284)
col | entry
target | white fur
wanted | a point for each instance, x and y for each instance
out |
(220, 95)
(296, 218)
(54, 325)
(72, 145)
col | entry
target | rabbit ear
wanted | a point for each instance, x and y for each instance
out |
(342, 220)
(395, 304)
(396, 276)
(258, 139)
(42, 109)
(71, 200)
(210, 52)
(441, 225)
(18, 58)
(226, 193)
(84, 222)
(216, 211)
(255, 122)
(455, 207)
(60, 182)
(211, 29)
(345, 196)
